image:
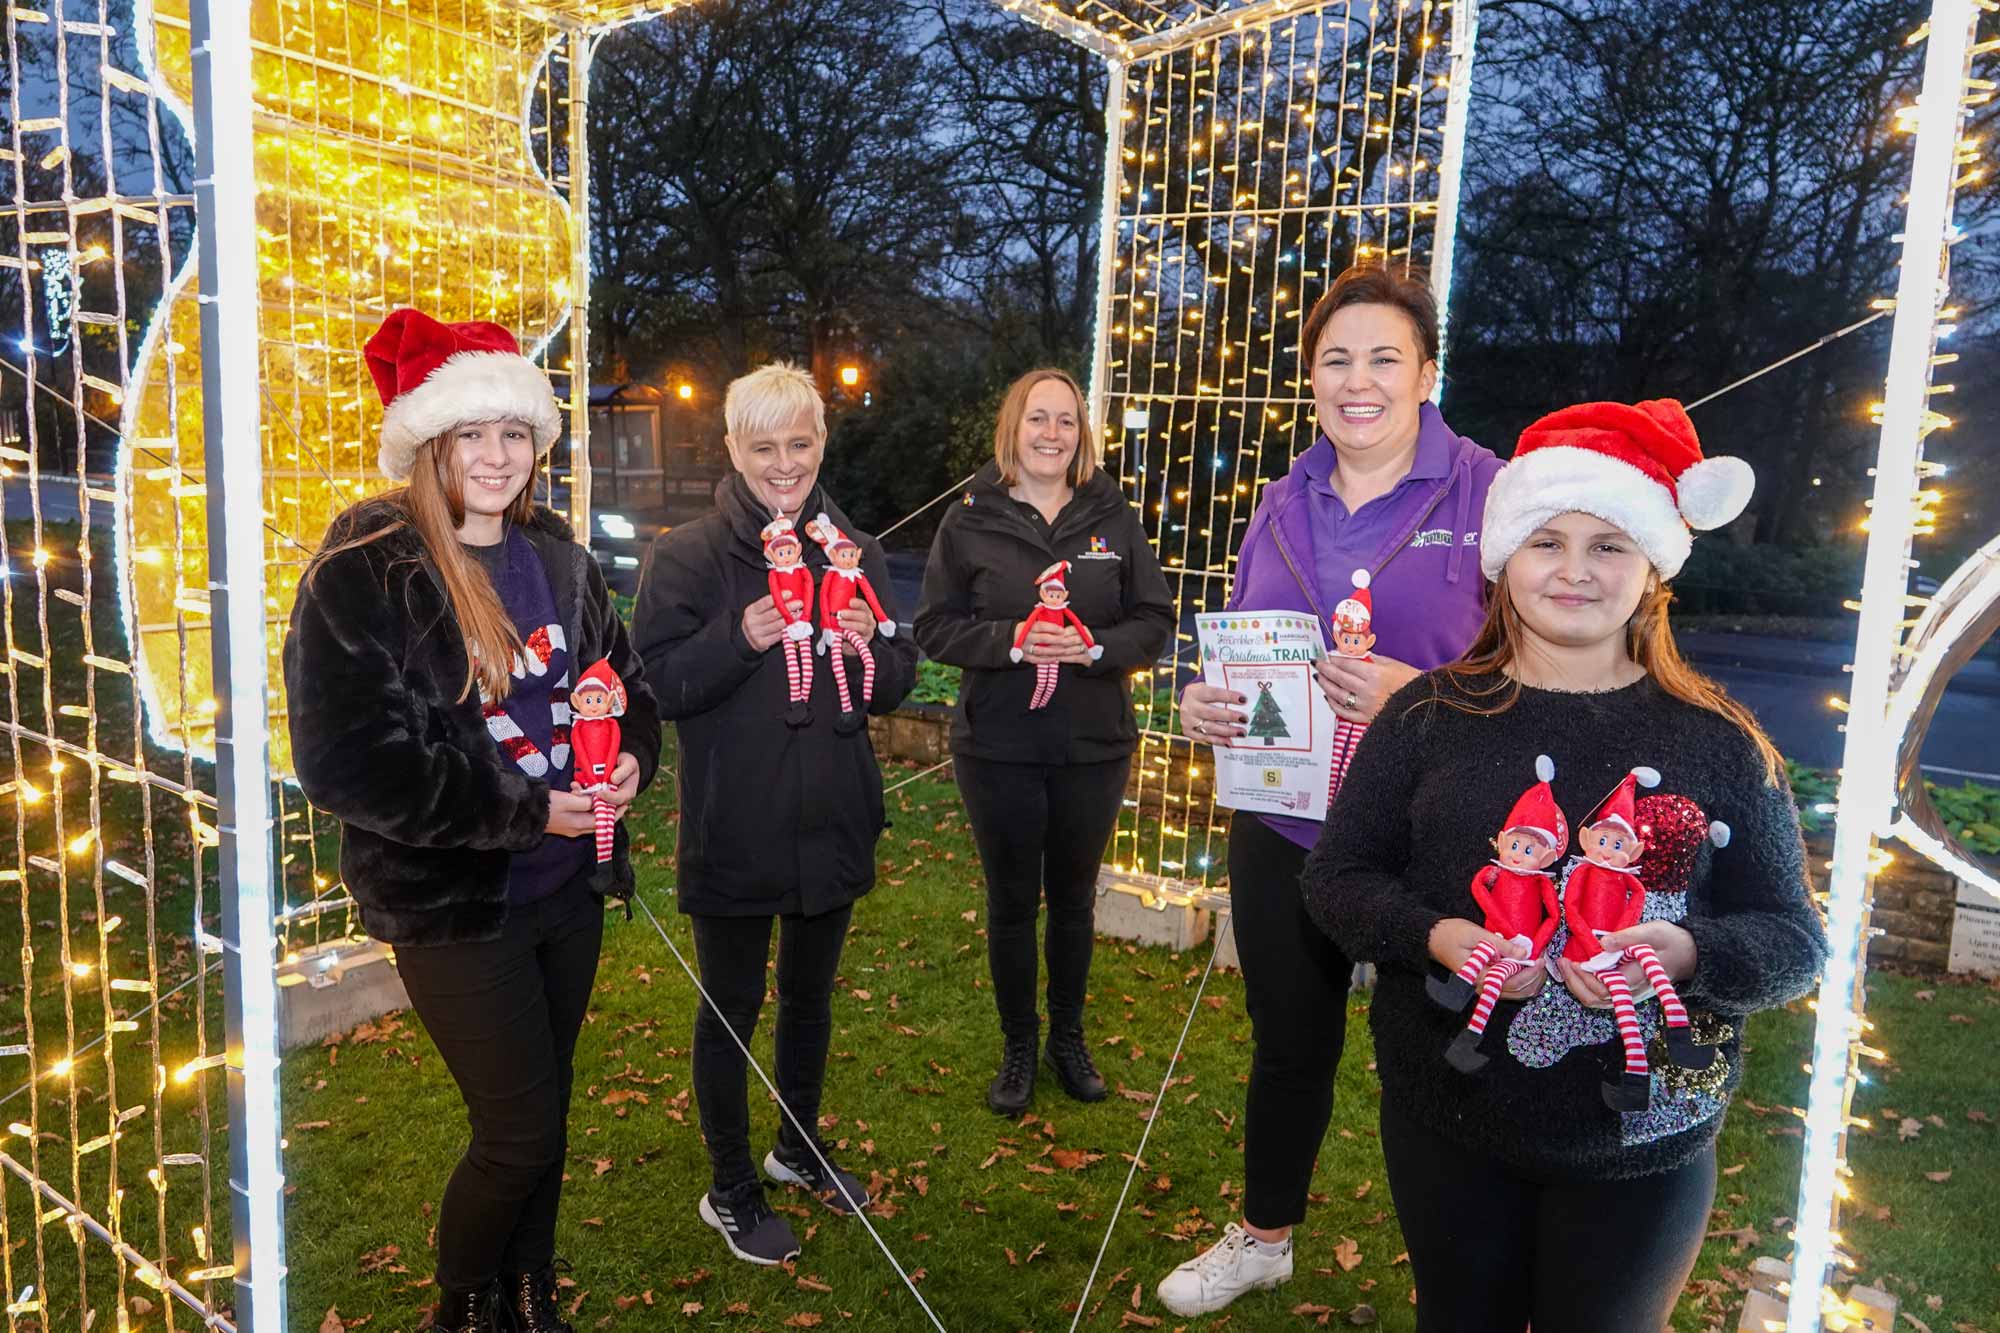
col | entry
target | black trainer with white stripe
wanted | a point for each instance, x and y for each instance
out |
(752, 1231)
(841, 1191)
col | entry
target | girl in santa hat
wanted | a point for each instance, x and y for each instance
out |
(780, 794)
(1524, 1199)
(428, 670)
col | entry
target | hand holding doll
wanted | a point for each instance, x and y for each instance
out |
(1053, 613)
(596, 703)
(1602, 899)
(842, 587)
(1517, 896)
(791, 584)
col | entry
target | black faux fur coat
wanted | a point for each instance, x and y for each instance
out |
(429, 810)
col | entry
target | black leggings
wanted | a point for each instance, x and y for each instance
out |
(1295, 983)
(504, 1014)
(1494, 1251)
(732, 951)
(1041, 831)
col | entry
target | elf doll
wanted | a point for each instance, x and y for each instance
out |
(790, 581)
(1353, 636)
(838, 587)
(1054, 612)
(1517, 894)
(1603, 894)
(596, 703)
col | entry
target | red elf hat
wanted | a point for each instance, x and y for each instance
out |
(779, 530)
(830, 538)
(1617, 807)
(599, 675)
(1053, 575)
(1356, 611)
(1537, 811)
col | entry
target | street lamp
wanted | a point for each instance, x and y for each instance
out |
(686, 392)
(850, 375)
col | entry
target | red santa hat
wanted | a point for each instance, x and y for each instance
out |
(1618, 806)
(1356, 611)
(1637, 466)
(433, 377)
(1537, 812)
(779, 530)
(1053, 576)
(599, 676)
(822, 530)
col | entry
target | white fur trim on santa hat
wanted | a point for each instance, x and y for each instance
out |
(468, 387)
(1545, 769)
(1563, 479)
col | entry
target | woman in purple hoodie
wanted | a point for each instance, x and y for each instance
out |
(1389, 488)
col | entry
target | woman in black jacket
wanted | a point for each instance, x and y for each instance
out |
(427, 670)
(1042, 770)
(781, 802)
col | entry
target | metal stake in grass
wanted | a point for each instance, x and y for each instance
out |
(1159, 1105)
(806, 1135)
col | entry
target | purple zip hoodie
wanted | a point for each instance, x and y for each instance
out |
(1420, 542)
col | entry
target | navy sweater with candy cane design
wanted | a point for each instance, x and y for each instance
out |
(531, 725)
(1430, 784)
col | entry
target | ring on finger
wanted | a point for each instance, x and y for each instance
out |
(1201, 728)
(1351, 701)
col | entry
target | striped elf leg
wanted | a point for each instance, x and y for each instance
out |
(867, 667)
(1633, 1090)
(791, 673)
(1626, 1015)
(802, 674)
(1681, 1046)
(1482, 954)
(1045, 684)
(1489, 990)
(607, 821)
(840, 681)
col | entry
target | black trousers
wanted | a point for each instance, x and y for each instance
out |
(504, 1015)
(1494, 1251)
(731, 953)
(1041, 831)
(1295, 983)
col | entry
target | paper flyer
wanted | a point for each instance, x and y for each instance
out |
(1284, 763)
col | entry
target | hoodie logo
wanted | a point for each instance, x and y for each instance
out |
(1099, 550)
(1443, 537)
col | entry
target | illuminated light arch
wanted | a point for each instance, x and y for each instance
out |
(1896, 681)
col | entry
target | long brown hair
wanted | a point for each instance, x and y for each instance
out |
(1649, 638)
(432, 504)
(1007, 429)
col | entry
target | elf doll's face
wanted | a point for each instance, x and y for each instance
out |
(1351, 640)
(846, 557)
(1055, 596)
(783, 554)
(590, 701)
(1611, 844)
(1524, 849)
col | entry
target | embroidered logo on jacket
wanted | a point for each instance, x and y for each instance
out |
(1443, 537)
(1099, 550)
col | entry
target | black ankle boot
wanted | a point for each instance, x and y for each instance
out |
(1014, 1086)
(530, 1300)
(1069, 1056)
(468, 1312)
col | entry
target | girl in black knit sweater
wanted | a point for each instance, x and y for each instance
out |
(1523, 1198)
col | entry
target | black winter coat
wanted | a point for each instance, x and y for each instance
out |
(774, 819)
(980, 584)
(430, 811)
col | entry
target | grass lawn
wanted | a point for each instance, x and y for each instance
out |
(1001, 1221)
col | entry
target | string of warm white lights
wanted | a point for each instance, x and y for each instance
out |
(1904, 506)
(1247, 170)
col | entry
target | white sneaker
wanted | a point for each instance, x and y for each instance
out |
(1237, 1263)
